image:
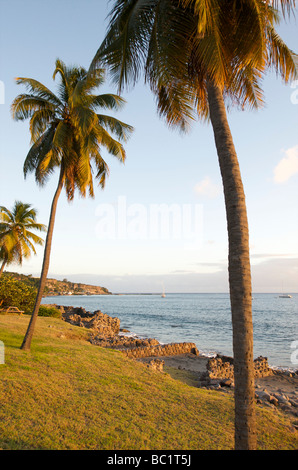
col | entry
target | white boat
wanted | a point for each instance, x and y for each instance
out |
(163, 292)
(284, 296)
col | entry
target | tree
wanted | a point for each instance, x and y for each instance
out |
(17, 293)
(197, 56)
(67, 133)
(17, 239)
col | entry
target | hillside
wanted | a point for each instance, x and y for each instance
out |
(65, 287)
(69, 394)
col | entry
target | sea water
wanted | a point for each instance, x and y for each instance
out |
(204, 319)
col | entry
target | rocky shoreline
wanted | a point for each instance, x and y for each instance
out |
(276, 389)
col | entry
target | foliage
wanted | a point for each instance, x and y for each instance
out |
(17, 237)
(67, 132)
(21, 294)
(49, 312)
(17, 294)
(231, 43)
(29, 280)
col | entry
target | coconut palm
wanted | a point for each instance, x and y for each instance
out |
(17, 237)
(67, 133)
(198, 56)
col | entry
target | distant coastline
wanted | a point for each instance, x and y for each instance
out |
(55, 288)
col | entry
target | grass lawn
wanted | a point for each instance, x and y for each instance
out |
(69, 394)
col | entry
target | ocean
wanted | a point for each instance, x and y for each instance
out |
(204, 319)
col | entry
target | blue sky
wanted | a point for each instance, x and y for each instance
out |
(162, 167)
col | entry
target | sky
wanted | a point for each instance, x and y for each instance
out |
(160, 221)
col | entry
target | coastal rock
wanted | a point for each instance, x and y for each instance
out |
(279, 400)
(226, 383)
(98, 321)
(263, 395)
(156, 364)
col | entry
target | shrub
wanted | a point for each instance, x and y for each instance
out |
(49, 312)
(16, 293)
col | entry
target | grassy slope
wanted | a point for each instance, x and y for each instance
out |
(69, 394)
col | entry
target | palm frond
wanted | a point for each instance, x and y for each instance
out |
(102, 169)
(24, 106)
(5, 214)
(83, 118)
(85, 85)
(175, 103)
(32, 225)
(106, 101)
(42, 147)
(113, 146)
(120, 129)
(38, 90)
(287, 6)
(35, 238)
(126, 41)
(39, 123)
(280, 57)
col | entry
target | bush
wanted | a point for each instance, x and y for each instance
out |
(49, 312)
(15, 293)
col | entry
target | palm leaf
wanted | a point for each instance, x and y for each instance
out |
(126, 40)
(38, 90)
(120, 129)
(280, 57)
(113, 146)
(25, 106)
(39, 123)
(42, 147)
(106, 101)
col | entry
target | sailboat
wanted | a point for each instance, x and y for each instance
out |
(285, 296)
(163, 293)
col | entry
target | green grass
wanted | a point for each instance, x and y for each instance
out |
(69, 394)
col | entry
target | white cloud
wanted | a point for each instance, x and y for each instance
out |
(207, 188)
(287, 167)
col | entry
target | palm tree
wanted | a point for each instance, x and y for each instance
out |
(67, 133)
(17, 239)
(198, 56)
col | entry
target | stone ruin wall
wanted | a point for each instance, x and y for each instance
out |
(222, 367)
(171, 349)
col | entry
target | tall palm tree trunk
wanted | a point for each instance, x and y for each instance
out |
(2, 267)
(45, 266)
(239, 273)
